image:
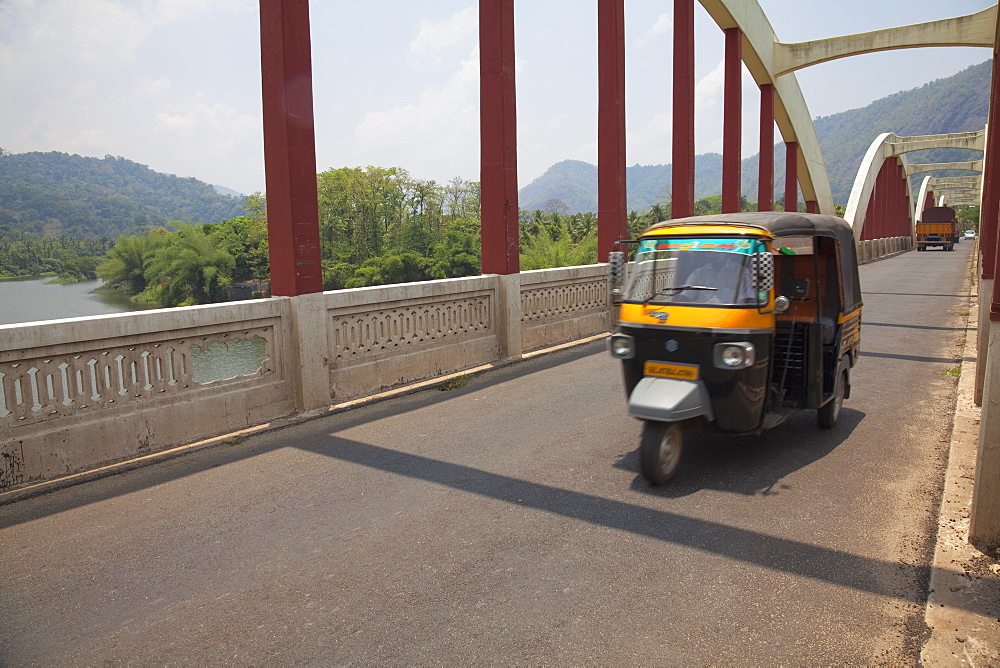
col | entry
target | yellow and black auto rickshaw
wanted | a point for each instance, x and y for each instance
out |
(732, 322)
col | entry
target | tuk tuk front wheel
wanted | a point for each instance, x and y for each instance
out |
(660, 451)
(830, 411)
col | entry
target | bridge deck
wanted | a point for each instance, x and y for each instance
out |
(504, 522)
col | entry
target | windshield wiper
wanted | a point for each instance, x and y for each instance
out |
(682, 288)
(677, 288)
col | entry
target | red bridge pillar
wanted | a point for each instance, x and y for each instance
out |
(498, 138)
(732, 122)
(289, 148)
(868, 232)
(682, 186)
(904, 203)
(765, 180)
(612, 224)
(791, 176)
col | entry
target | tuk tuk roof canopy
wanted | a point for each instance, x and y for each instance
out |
(788, 224)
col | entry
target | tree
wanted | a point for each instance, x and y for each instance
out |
(458, 254)
(547, 250)
(192, 267)
(246, 239)
(128, 259)
(968, 218)
(389, 269)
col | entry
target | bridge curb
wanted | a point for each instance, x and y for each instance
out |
(964, 597)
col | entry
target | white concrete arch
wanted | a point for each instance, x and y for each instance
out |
(889, 145)
(973, 141)
(881, 150)
(949, 190)
(971, 30)
(918, 205)
(772, 62)
(970, 166)
(790, 111)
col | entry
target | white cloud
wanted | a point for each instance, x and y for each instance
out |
(158, 86)
(434, 37)
(98, 78)
(650, 144)
(199, 120)
(439, 131)
(166, 12)
(708, 90)
(664, 25)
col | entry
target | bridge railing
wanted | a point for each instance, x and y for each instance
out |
(874, 249)
(81, 393)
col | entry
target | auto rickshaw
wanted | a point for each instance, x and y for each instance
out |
(732, 322)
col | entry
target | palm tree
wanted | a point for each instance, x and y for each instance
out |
(191, 268)
(128, 259)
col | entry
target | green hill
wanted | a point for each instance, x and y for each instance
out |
(61, 194)
(959, 103)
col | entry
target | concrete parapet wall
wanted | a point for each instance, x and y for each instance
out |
(79, 393)
(387, 336)
(873, 249)
(559, 305)
(82, 393)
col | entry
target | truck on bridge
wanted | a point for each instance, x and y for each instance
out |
(938, 226)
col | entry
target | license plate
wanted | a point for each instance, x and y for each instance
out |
(678, 371)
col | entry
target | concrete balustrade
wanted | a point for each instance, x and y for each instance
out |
(873, 249)
(82, 393)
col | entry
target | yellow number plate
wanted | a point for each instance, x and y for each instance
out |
(678, 371)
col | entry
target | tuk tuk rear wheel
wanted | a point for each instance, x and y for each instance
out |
(660, 451)
(829, 412)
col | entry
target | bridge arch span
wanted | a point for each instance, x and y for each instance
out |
(879, 161)
(791, 114)
(887, 152)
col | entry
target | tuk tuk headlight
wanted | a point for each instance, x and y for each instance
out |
(622, 346)
(734, 355)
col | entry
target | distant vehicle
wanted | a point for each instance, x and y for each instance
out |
(970, 234)
(938, 226)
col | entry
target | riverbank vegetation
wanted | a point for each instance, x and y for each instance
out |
(67, 258)
(377, 226)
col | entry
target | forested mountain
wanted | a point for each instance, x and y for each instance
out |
(57, 194)
(959, 103)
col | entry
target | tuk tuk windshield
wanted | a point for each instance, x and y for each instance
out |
(694, 271)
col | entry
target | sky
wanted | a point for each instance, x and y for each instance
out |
(175, 84)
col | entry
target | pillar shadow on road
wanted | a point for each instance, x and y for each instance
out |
(908, 326)
(914, 358)
(774, 454)
(910, 294)
(795, 557)
(748, 465)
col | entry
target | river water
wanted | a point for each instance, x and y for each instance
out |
(32, 300)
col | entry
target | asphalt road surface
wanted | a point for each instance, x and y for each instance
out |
(505, 522)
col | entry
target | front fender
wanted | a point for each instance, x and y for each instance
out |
(670, 400)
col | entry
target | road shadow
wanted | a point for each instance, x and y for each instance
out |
(134, 476)
(902, 326)
(800, 558)
(747, 465)
(755, 466)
